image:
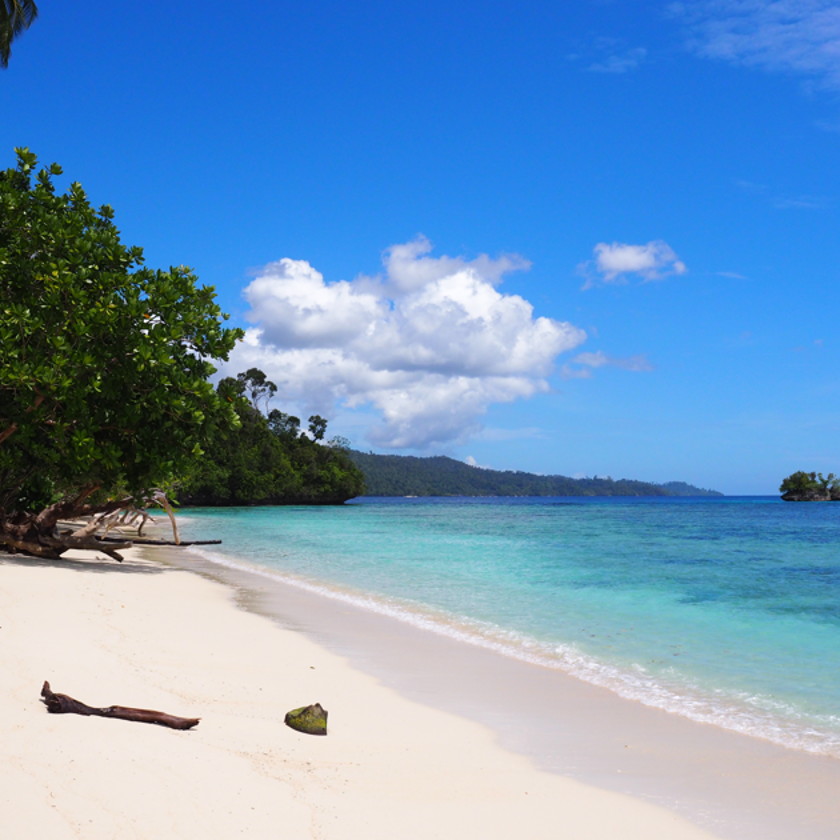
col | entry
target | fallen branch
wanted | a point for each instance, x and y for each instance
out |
(62, 704)
(66, 541)
(150, 541)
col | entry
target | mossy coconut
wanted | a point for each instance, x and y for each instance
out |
(309, 719)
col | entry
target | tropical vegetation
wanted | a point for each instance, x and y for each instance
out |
(804, 486)
(104, 392)
(105, 400)
(15, 17)
(268, 460)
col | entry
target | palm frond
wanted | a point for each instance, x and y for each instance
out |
(15, 17)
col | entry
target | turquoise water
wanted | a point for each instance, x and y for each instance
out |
(722, 610)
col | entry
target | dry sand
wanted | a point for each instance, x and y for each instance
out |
(149, 635)
(153, 637)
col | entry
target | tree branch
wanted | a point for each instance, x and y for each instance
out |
(13, 427)
(75, 508)
(66, 541)
(8, 432)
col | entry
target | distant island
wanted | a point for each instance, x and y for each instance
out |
(803, 486)
(407, 475)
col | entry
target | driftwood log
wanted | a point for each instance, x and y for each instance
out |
(148, 541)
(62, 704)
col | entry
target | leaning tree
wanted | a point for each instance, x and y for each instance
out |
(104, 365)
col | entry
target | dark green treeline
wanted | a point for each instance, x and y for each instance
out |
(268, 460)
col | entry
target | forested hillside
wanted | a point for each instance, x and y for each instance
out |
(404, 475)
(267, 459)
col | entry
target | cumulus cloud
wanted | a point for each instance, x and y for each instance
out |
(617, 261)
(581, 366)
(428, 344)
(408, 267)
(791, 36)
(298, 309)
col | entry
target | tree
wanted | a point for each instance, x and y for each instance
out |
(808, 487)
(230, 389)
(283, 425)
(15, 17)
(317, 427)
(266, 460)
(103, 375)
(243, 465)
(258, 386)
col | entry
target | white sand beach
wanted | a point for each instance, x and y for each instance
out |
(395, 764)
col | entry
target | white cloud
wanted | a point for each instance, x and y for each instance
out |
(622, 62)
(581, 366)
(409, 268)
(791, 36)
(429, 344)
(608, 55)
(299, 310)
(784, 202)
(614, 262)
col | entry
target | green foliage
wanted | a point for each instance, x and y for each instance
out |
(267, 460)
(810, 485)
(799, 481)
(104, 366)
(405, 475)
(317, 427)
(283, 425)
(681, 488)
(257, 386)
(15, 17)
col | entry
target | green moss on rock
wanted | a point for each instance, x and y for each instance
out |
(309, 719)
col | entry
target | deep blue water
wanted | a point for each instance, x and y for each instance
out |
(725, 610)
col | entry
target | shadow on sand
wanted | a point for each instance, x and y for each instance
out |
(98, 564)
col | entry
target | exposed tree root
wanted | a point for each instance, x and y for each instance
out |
(39, 535)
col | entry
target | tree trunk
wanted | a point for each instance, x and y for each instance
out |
(37, 534)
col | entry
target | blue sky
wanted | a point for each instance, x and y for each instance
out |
(592, 238)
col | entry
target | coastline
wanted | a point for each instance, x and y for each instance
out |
(451, 741)
(733, 785)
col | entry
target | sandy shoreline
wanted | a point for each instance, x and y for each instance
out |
(394, 764)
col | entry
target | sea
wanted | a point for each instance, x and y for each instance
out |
(725, 610)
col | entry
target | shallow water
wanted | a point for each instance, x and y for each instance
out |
(723, 610)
